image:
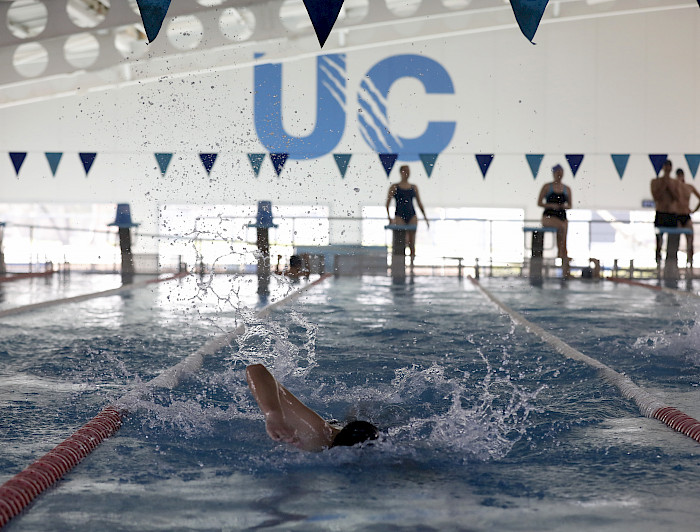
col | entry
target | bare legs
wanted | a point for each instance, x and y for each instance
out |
(562, 227)
(410, 236)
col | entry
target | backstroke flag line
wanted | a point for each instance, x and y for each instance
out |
(153, 13)
(323, 14)
(528, 13)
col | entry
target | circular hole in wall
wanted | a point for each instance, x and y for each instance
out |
(81, 50)
(456, 4)
(353, 11)
(87, 13)
(131, 41)
(293, 15)
(27, 18)
(237, 24)
(403, 8)
(185, 32)
(30, 59)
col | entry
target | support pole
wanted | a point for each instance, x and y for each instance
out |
(3, 268)
(263, 242)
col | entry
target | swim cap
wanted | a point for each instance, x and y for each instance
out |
(355, 432)
(557, 167)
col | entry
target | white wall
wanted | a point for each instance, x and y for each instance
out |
(625, 84)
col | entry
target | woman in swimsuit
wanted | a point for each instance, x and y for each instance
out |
(555, 198)
(403, 193)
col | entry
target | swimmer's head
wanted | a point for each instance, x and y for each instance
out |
(558, 170)
(355, 432)
(680, 174)
(405, 171)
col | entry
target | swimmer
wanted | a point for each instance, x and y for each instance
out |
(289, 420)
(666, 193)
(685, 191)
(555, 198)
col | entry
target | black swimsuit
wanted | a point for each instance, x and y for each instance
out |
(404, 203)
(559, 199)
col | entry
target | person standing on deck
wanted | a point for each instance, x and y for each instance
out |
(666, 193)
(403, 194)
(555, 198)
(685, 191)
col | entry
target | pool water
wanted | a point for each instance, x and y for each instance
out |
(484, 426)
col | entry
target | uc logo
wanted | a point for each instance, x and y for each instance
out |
(331, 103)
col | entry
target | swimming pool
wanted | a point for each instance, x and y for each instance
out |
(485, 426)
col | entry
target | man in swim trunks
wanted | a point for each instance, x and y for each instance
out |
(289, 420)
(665, 192)
(685, 191)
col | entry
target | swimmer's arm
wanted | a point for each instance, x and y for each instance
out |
(392, 191)
(570, 202)
(540, 199)
(266, 391)
(420, 205)
(695, 191)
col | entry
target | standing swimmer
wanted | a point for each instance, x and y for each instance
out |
(404, 193)
(555, 198)
(685, 191)
(289, 420)
(666, 193)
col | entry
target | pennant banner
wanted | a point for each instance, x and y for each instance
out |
(163, 160)
(278, 161)
(323, 14)
(87, 159)
(574, 162)
(534, 160)
(428, 160)
(342, 160)
(620, 161)
(484, 161)
(18, 158)
(693, 159)
(388, 160)
(153, 13)
(528, 13)
(256, 160)
(53, 158)
(208, 160)
(658, 160)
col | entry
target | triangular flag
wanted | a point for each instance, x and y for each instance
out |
(278, 160)
(388, 160)
(620, 162)
(693, 159)
(17, 160)
(163, 160)
(256, 160)
(484, 161)
(153, 13)
(428, 160)
(534, 160)
(342, 160)
(323, 14)
(574, 162)
(54, 158)
(208, 160)
(658, 160)
(87, 159)
(528, 13)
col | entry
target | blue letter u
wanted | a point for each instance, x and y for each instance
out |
(330, 109)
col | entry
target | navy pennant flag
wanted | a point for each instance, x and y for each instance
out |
(388, 161)
(53, 158)
(256, 160)
(484, 161)
(163, 160)
(342, 160)
(87, 159)
(574, 161)
(528, 14)
(657, 161)
(153, 13)
(17, 160)
(620, 161)
(534, 160)
(428, 160)
(278, 161)
(208, 160)
(323, 14)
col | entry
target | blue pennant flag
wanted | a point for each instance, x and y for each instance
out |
(256, 160)
(87, 159)
(208, 160)
(534, 160)
(323, 14)
(693, 159)
(54, 158)
(163, 160)
(342, 160)
(153, 13)
(620, 161)
(278, 160)
(428, 160)
(17, 160)
(484, 161)
(388, 160)
(574, 162)
(528, 13)
(658, 160)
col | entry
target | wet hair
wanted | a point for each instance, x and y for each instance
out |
(679, 171)
(668, 162)
(355, 432)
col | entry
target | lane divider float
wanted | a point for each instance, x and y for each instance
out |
(18, 492)
(649, 405)
(657, 288)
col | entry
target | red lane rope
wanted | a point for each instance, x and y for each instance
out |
(634, 283)
(20, 276)
(24, 487)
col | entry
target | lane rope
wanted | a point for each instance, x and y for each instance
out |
(649, 405)
(18, 492)
(657, 288)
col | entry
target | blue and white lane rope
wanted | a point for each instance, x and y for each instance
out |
(649, 405)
